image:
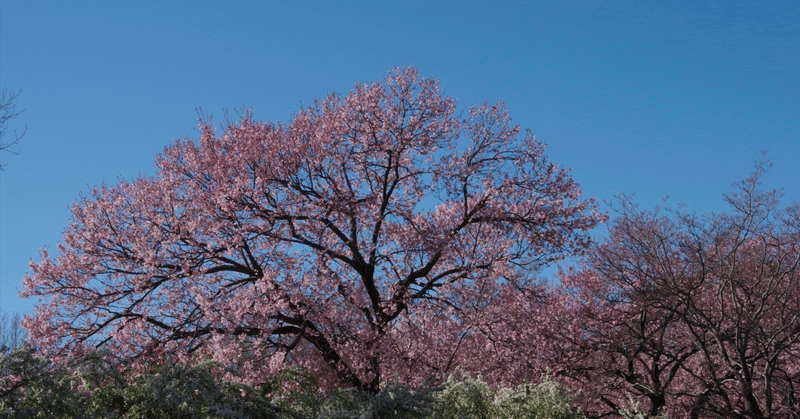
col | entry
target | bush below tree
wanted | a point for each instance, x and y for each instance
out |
(92, 387)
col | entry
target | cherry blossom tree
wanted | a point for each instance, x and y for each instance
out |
(370, 230)
(616, 321)
(695, 315)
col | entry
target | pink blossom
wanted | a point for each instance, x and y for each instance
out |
(374, 236)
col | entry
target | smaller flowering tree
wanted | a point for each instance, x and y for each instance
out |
(692, 315)
(618, 326)
(364, 239)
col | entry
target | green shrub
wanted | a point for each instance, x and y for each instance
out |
(393, 402)
(456, 399)
(473, 398)
(31, 387)
(95, 387)
(177, 392)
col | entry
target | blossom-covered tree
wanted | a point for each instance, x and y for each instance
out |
(367, 231)
(616, 324)
(697, 316)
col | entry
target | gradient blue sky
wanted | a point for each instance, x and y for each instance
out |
(652, 97)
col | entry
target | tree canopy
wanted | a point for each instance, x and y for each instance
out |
(366, 238)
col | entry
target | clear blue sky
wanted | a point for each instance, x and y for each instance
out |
(652, 97)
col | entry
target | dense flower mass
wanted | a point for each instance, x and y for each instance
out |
(372, 236)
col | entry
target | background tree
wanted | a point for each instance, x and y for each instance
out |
(12, 334)
(616, 322)
(347, 240)
(698, 314)
(8, 111)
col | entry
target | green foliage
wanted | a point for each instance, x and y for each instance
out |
(95, 387)
(175, 392)
(461, 398)
(393, 402)
(473, 398)
(31, 387)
